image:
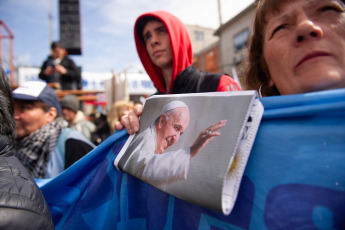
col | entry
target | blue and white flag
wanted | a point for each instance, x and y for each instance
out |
(294, 179)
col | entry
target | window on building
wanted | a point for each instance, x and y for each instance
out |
(240, 39)
(199, 35)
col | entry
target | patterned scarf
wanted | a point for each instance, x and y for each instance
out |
(34, 150)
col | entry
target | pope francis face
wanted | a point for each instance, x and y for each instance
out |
(170, 127)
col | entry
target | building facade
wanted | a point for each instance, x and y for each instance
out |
(205, 48)
(233, 39)
(201, 37)
(208, 59)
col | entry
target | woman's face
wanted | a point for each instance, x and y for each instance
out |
(304, 46)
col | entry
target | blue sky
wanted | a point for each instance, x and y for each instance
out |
(106, 28)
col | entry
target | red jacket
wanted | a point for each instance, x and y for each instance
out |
(182, 54)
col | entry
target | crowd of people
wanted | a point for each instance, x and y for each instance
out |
(296, 47)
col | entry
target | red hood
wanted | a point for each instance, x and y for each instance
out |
(180, 43)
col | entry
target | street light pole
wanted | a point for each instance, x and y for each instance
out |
(220, 13)
(50, 18)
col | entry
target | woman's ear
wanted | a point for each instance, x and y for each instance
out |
(271, 83)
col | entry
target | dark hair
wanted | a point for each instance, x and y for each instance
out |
(7, 122)
(58, 44)
(256, 73)
(46, 108)
(142, 23)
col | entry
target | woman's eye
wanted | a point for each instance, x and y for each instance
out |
(281, 27)
(332, 8)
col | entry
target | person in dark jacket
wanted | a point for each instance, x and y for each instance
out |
(165, 50)
(22, 205)
(59, 68)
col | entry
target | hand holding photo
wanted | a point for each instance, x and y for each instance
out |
(174, 152)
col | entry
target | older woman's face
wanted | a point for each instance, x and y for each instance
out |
(304, 46)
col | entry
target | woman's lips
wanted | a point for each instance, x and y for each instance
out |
(311, 56)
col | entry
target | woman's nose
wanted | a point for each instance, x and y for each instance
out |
(307, 30)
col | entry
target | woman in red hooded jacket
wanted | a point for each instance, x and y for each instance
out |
(165, 50)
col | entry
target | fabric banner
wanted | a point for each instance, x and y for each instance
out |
(294, 179)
